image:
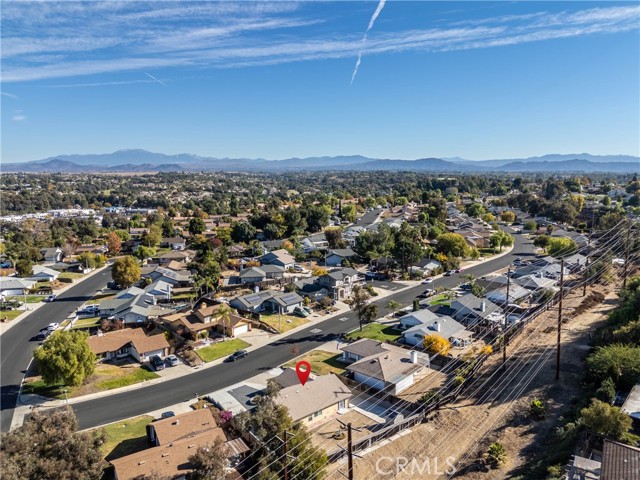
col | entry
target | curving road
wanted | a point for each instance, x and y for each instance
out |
(17, 343)
(112, 408)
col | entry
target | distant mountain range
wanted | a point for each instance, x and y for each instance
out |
(124, 161)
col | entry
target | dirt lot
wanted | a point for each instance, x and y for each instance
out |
(323, 435)
(496, 405)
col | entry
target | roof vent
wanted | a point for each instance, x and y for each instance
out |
(142, 462)
(165, 454)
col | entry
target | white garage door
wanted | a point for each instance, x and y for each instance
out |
(240, 329)
(154, 352)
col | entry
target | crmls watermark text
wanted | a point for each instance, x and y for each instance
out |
(413, 466)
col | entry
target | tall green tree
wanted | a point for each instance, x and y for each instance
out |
(196, 226)
(605, 420)
(125, 271)
(210, 462)
(65, 358)
(453, 245)
(49, 446)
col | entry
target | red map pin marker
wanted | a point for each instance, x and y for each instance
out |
(303, 369)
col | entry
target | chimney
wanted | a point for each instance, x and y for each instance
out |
(483, 306)
(241, 265)
(256, 289)
(437, 326)
(413, 355)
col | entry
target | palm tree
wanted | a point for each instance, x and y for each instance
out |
(224, 314)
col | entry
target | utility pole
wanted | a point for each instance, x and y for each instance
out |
(586, 275)
(560, 318)
(286, 457)
(349, 450)
(626, 256)
(504, 331)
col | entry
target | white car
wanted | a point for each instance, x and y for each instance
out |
(53, 327)
(428, 281)
(50, 298)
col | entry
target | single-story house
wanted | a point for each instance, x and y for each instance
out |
(260, 274)
(135, 309)
(320, 399)
(267, 300)
(500, 296)
(177, 278)
(51, 255)
(444, 326)
(392, 370)
(10, 286)
(534, 282)
(182, 256)
(335, 257)
(44, 274)
(177, 438)
(280, 257)
(174, 243)
(421, 317)
(362, 348)
(159, 289)
(128, 342)
(470, 310)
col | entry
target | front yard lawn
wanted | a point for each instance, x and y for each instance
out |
(10, 314)
(87, 322)
(283, 323)
(72, 275)
(376, 331)
(105, 377)
(221, 349)
(441, 299)
(322, 362)
(125, 438)
(30, 298)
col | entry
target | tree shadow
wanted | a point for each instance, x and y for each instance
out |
(127, 447)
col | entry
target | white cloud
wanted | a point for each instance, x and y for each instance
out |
(19, 118)
(10, 95)
(109, 37)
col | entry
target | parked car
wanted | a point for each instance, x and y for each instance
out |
(449, 273)
(53, 327)
(302, 311)
(237, 355)
(298, 268)
(156, 362)
(172, 361)
(427, 293)
(167, 414)
(6, 264)
(43, 333)
(51, 298)
(427, 281)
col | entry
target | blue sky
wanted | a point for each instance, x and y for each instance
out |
(479, 80)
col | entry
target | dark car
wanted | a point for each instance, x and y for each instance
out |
(237, 355)
(156, 362)
(167, 414)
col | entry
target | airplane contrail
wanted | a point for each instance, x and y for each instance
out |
(364, 38)
(155, 79)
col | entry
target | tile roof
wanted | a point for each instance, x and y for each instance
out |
(112, 341)
(620, 462)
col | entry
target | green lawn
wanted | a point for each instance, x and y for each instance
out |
(125, 438)
(30, 298)
(440, 299)
(221, 349)
(72, 275)
(376, 331)
(140, 374)
(87, 322)
(40, 388)
(10, 314)
(283, 323)
(322, 362)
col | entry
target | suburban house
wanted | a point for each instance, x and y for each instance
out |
(51, 255)
(206, 317)
(44, 274)
(471, 310)
(392, 370)
(421, 317)
(176, 439)
(260, 274)
(316, 241)
(308, 287)
(340, 282)
(128, 342)
(362, 348)
(267, 301)
(159, 289)
(177, 278)
(181, 256)
(631, 405)
(10, 286)
(334, 258)
(444, 326)
(133, 308)
(616, 462)
(426, 266)
(289, 378)
(534, 282)
(281, 257)
(317, 400)
(174, 243)
(501, 296)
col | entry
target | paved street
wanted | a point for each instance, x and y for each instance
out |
(116, 407)
(17, 344)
